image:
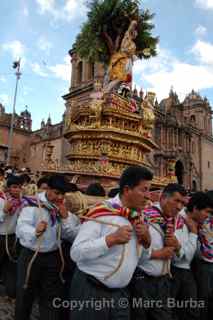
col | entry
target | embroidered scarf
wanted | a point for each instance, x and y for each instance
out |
(25, 201)
(16, 202)
(168, 225)
(107, 208)
(205, 237)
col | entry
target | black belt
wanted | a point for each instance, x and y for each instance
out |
(139, 273)
(40, 253)
(99, 284)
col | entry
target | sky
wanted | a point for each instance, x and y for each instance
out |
(41, 32)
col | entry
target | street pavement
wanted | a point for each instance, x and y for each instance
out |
(7, 308)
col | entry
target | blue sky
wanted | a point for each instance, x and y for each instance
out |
(42, 31)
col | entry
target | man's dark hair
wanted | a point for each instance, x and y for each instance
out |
(1, 172)
(95, 189)
(113, 192)
(200, 200)
(25, 178)
(133, 175)
(13, 180)
(61, 183)
(171, 188)
(210, 194)
(42, 180)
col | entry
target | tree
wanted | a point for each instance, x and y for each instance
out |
(107, 22)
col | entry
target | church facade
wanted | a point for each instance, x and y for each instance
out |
(183, 132)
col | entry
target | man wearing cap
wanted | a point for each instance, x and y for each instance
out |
(10, 202)
(40, 228)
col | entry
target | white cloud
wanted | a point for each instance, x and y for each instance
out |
(204, 52)
(2, 79)
(70, 10)
(4, 99)
(165, 70)
(204, 4)
(25, 12)
(16, 48)
(74, 9)
(44, 45)
(46, 5)
(62, 71)
(36, 68)
(200, 31)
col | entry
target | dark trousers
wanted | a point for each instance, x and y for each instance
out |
(91, 300)
(7, 266)
(203, 272)
(150, 297)
(184, 291)
(67, 275)
(44, 283)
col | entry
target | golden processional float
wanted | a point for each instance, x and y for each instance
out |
(112, 130)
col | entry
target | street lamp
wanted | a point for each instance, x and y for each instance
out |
(16, 65)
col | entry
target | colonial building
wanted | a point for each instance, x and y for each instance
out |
(48, 148)
(21, 136)
(183, 132)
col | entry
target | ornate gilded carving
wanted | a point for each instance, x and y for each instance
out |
(171, 170)
(96, 105)
(106, 136)
(148, 114)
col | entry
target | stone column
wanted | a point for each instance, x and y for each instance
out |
(74, 70)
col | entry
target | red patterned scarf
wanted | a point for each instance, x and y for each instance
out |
(113, 209)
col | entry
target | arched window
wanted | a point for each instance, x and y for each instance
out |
(179, 171)
(194, 186)
(79, 72)
(193, 120)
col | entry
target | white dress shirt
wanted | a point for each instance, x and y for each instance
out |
(28, 221)
(95, 258)
(188, 242)
(154, 267)
(7, 221)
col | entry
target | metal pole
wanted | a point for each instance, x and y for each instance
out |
(10, 144)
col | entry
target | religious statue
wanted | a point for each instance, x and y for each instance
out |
(96, 104)
(120, 66)
(171, 169)
(67, 120)
(148, 113)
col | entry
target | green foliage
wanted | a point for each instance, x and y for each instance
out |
(107, 22)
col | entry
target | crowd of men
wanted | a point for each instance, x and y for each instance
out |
(126, 258)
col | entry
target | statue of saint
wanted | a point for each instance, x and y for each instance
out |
(120, 66)
(148, 113)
